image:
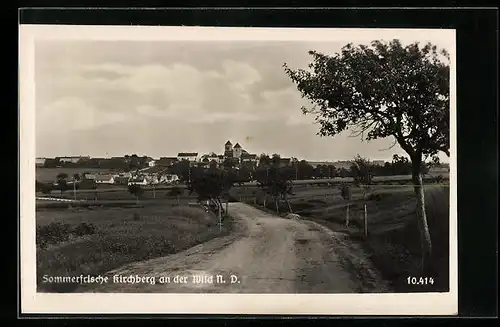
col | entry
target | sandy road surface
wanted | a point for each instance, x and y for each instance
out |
(268, 254)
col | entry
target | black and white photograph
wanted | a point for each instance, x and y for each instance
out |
(267, 170)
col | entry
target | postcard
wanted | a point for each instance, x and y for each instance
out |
(198, 170)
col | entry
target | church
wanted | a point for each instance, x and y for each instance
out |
(238, 153)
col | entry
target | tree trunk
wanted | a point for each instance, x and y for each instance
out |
(265, 198)
(154, 193)
(425, 237)
(227, 206)
(365, 218)
(289, 206)
(277, 207)
(177, 199)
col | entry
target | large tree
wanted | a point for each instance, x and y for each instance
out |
(212, 186)
(276, 182)
(62, 182)
(384, 90)
(136, 190)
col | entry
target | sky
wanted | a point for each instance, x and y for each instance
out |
(158, 98)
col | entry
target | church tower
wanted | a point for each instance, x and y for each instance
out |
(228, 146)
(237, 150)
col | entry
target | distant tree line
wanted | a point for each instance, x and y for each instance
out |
(128, 162)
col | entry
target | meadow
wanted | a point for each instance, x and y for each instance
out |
(74, 241)
(95, 236)
(393, 241)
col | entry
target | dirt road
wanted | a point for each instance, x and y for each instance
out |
(266, 254)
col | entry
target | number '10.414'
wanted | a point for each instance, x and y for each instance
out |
(420, 281)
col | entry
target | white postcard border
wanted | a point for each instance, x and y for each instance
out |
(324, 304)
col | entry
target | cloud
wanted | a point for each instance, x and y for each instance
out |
(73, 114)
(90, 95)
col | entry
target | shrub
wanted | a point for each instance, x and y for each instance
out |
(374, 197)
(345, 192)
(84, 229)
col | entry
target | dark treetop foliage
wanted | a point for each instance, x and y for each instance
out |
(211, 185)
(274, 181)
(135, 189)
(362, 171)
(379, 91)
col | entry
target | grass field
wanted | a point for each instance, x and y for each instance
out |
(125, 232)
(121, 236)
(393, 243)
(113, 194)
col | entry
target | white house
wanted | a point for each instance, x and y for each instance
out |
(89, 176)
(246, 157)
(105, 179)
(189, 156)
(138, 181)
(40, 161)
(126, 174)
(152, 179)
(168, 178)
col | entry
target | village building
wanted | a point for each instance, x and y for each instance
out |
(189, 156)
(40, 162)
(169, 178)
(73, 159)
(104, 179)
(237, 154)
(138, 180)
(166, 161)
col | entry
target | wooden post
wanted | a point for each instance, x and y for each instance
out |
(220, 219)
(366, 221)
(347, 216)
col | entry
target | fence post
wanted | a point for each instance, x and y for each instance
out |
(366, 220)
(347, 216)
(220, 219)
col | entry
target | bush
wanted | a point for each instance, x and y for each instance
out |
(345, 192)
(374, 197)
(84, 229)
(438, 179)
(45, 188)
